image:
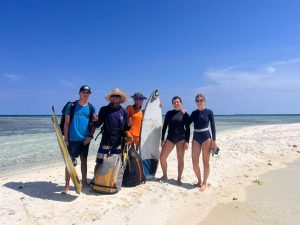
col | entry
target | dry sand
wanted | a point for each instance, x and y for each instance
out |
(34, 196)
(273, 202)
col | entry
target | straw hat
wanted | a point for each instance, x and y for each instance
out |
(117, 91)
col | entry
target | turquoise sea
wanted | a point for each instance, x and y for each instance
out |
(27, 142)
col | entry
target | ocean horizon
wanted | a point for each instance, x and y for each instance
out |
(237, 114)
(29, 141)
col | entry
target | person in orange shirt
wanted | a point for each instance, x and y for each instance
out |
(135, 114)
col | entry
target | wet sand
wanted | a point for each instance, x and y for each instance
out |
(273, 202)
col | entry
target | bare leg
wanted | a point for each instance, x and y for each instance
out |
(196, 150)
(84, 169)
(67, 187)
(206, 148)
(180, 159)
(166, 150)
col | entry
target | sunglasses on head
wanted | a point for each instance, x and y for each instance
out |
(116, 96)
(199, 100)
(138, 99)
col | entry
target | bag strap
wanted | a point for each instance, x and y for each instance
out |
(72, 110)
(126, 154)
(91, 116)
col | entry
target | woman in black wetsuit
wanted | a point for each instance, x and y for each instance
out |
(202, 139)
(177, 121)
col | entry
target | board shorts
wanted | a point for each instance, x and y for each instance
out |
(201, 137)
(77, 148)
(105, 150)
(176, 137)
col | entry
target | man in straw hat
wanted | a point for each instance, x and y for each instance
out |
(135, 114)
(114, 119)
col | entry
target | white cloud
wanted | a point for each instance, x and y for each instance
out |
(266, 88)
(270, 69)
(67, 83)
(12, 77)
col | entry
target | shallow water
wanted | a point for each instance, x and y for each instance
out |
(29, 141)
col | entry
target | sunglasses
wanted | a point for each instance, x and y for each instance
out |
(138, 99)
(85, 92)
(199, 100)
(116, 96)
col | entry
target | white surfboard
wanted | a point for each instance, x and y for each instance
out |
(151, 135)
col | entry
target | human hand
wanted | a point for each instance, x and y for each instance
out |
(95, 118)
(214, 145)
(130, 122)
(186, 146)
(87, 140)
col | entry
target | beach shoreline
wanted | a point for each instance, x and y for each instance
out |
(274, 200)
(246, 153)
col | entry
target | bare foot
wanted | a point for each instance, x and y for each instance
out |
(66, 190)
(198, 184)
(179, 182)
(203, 187)
(163, 178)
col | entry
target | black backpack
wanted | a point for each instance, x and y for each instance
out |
(72, 112)
(133, 174)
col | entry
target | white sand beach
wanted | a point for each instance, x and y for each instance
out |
(33, 197)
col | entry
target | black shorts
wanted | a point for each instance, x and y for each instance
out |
(77, 148)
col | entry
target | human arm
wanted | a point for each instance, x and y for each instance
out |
(92, 128)
(127, 124)
(100, 118)
(186, 120)
(191, 117)
(213, 129)
(165, 125)
(66, 129)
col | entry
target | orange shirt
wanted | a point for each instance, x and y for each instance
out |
(136, 119)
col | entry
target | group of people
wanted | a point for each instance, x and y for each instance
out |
(121, 126)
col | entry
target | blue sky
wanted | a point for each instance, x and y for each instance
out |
(243, 55)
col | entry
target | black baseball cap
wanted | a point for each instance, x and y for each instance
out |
(85, 88)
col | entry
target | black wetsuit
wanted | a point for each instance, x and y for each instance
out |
(178, 126)
(201, 120)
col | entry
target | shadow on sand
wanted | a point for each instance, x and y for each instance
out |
(187, 186)
(41, 190)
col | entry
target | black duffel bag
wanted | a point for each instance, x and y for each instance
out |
(133, 174)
